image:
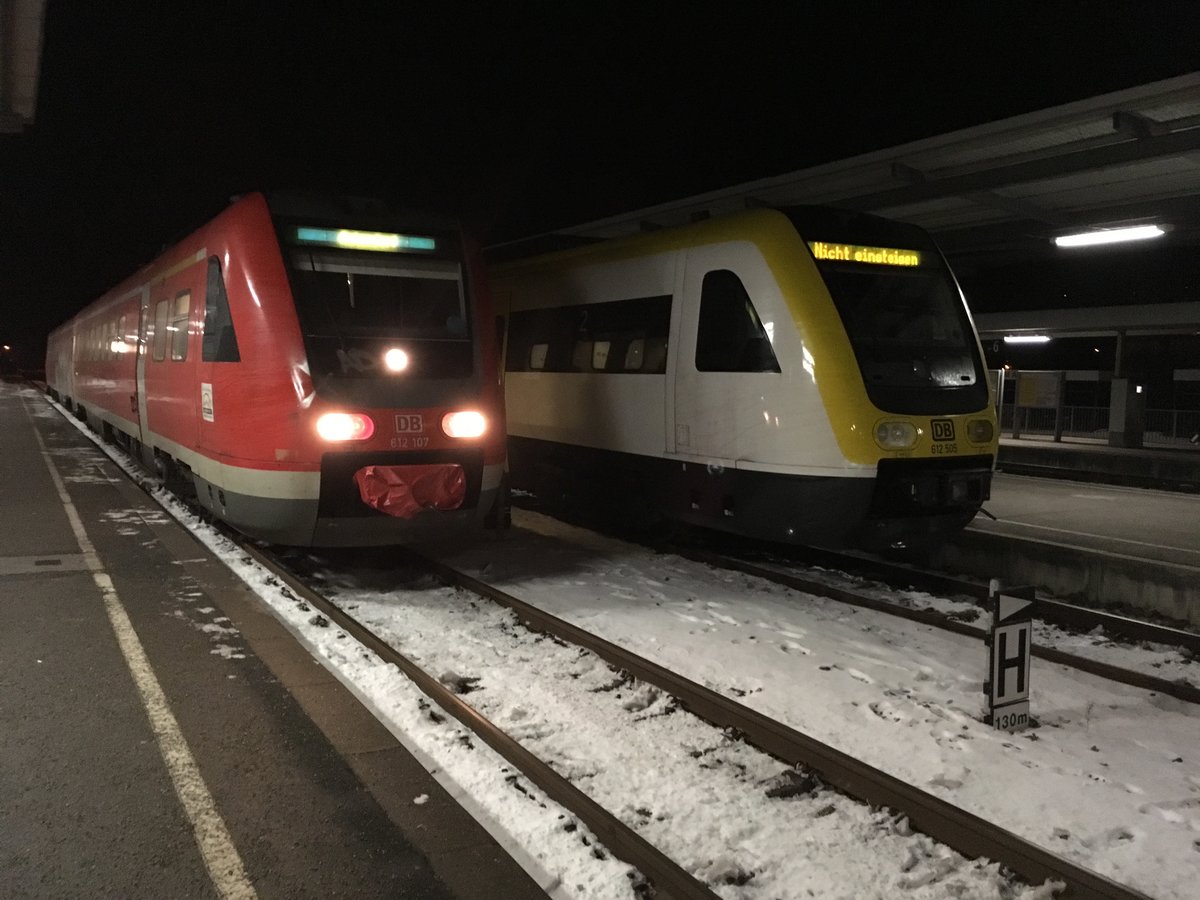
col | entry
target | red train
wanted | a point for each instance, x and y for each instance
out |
(323, 372)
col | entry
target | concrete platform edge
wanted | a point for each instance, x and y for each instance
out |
(1076, 573)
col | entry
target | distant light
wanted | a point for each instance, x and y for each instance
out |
(7, 348)
(364, 240)
(1109, 236)
(396, 360)
(1026, 338)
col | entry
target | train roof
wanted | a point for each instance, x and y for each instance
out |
(362, 212)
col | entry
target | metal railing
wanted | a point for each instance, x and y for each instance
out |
(1171, 427)
(1163, 427)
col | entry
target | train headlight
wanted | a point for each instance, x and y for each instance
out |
(345, 427)
(395, 360)
(980, 431)
(464, 424)
(895, 435)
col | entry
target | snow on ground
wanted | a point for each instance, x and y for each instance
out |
(1110, 778)
(700, 795)
(1160, 660)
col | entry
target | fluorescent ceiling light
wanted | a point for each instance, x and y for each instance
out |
(1026, 338)
(1109, 236)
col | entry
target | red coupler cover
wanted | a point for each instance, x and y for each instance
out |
(403, 491)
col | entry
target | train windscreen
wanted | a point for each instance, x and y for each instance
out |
(904, 315)
(354, 305)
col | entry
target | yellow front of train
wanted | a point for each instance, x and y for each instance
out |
(894, 354)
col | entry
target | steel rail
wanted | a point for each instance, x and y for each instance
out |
(668, 880)
(1178, 689)
(960, 830)
(1056, 611)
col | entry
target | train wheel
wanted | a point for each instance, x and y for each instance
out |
(176, 477)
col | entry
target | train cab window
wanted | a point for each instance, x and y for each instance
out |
(178, 326)
(219, 343)
(161, 313)
(731, 338)
(348, 302)
(343, 295)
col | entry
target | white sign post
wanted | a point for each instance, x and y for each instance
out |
(1010, 648)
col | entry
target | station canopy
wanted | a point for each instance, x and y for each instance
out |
(1002, 191)
(21, 24)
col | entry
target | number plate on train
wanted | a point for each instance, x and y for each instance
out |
(407, 423)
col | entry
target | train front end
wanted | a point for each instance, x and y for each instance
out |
(924, 415)
(401, 395)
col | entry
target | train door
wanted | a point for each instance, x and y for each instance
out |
(140, 381)
(724, 350)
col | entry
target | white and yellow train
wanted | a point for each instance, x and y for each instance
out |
(804, 375)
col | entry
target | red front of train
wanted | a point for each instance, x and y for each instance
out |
(324, 372)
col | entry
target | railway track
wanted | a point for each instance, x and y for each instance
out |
(747, 557)
(964, 832)
(1050, 611)
(668, 880)
(1055, 612)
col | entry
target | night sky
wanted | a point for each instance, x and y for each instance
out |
(519, 116)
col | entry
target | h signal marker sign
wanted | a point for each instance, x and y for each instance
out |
(1010, 646)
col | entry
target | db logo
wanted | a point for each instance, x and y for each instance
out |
(409, 424)
(943, 429)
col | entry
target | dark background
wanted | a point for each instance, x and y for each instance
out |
(519, 116)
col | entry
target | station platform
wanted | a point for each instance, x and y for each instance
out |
(162, 735)
(1105, 526)
(1164, 468)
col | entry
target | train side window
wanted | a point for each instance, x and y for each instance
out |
(161, 312)
(219, 343)
(593, 337)
(581, 356)
(656, 355)
(635, 354)
(600, 352)
(731, 338)
(178, 326)
(537, 356)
